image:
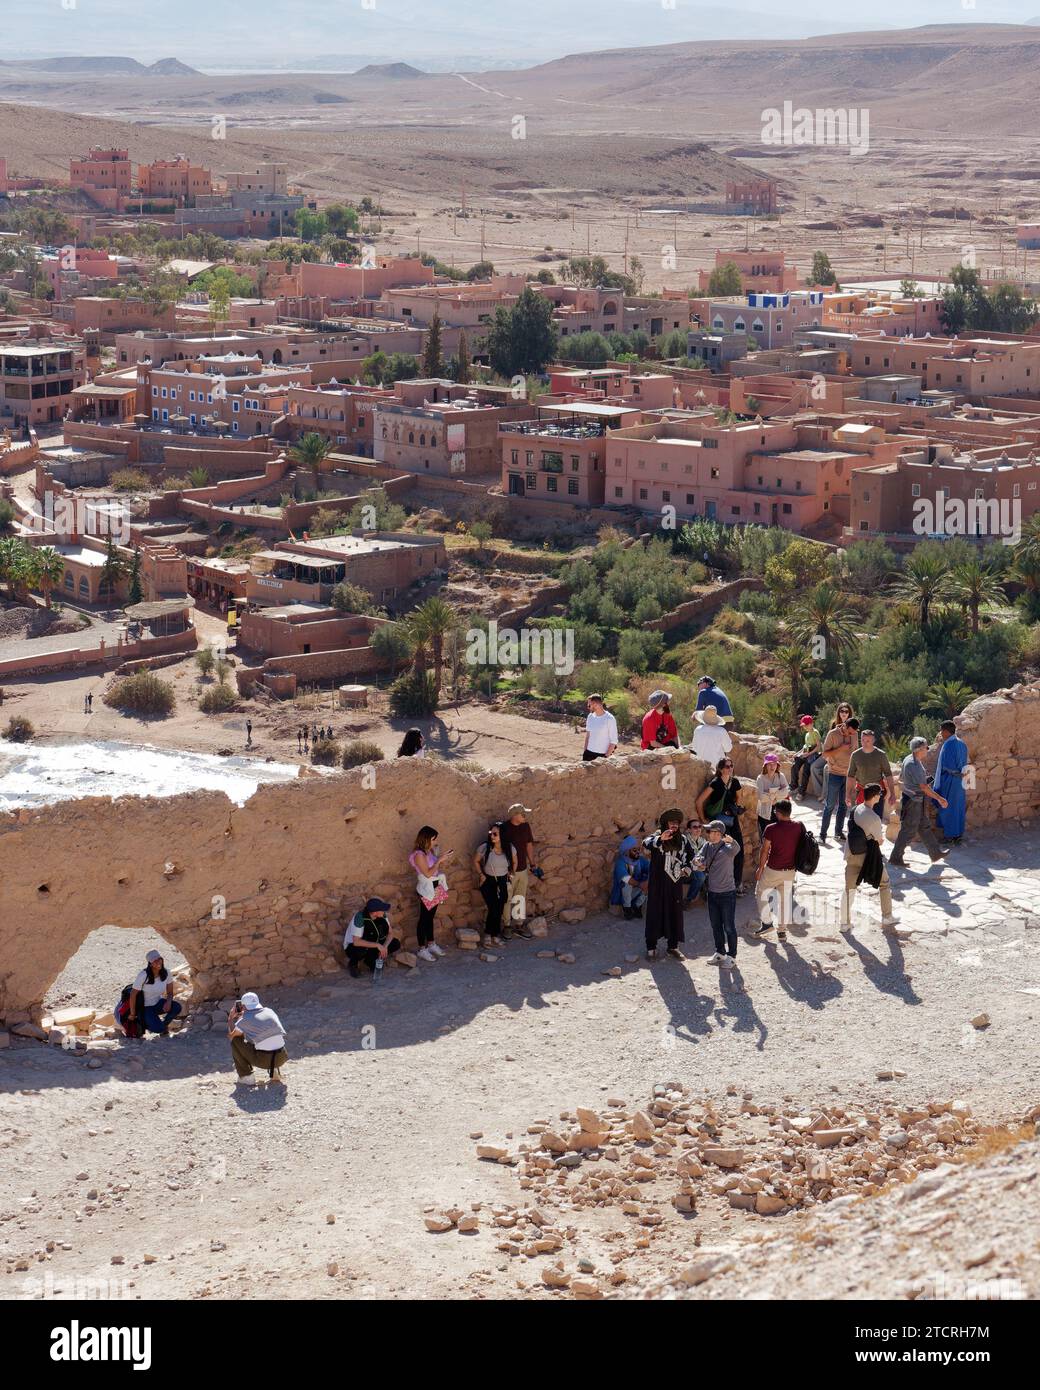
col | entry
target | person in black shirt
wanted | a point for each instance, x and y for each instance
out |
(671, 854)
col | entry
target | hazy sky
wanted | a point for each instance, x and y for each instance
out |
(254, 34)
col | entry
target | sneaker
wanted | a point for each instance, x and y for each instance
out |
(628, 913)
(730, 962)
(523, 930)
(763, 928)
(507, 935)
(354, 970)
(824, 840)
(435, 949)
(841, 835)
(887, 923)
(781, 936)
(675, 954)
(716, 959)
(425, 954)
(249, 1080)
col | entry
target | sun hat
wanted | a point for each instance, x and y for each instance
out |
(708, 715)
(770, 758)
(656, 696)
(516, 807)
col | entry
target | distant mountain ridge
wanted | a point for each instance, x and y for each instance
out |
(108, 66)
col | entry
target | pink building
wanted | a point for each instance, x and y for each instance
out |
(772, 320)
(560, 456)
(441, 428)
(360, 282)
(759, 271)
(105, 175)
(174, 180)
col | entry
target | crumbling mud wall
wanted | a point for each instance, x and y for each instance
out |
(257, 895)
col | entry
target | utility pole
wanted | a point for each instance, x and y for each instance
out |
(626, 247)
(483, 237)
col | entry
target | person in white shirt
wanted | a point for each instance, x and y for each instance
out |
(156, 1004)
(601, 735)
(864, 826)
(711, 741)
(257, 1040)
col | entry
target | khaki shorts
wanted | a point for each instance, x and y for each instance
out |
(518, 885)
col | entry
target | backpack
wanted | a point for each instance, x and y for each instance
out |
(857, 838)
(504, 846)
(130, 1023)
(807, 856)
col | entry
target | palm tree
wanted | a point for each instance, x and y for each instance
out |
(797, 665)
(823, 613)
(309, 453)
(972, 584)
(947, 698)
(198, 477)
(925, 580)
(11, 561)
(436, 619)
(419, 636)
(47, 569)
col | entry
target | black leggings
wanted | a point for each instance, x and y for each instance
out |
(495, 892)
(424, 931)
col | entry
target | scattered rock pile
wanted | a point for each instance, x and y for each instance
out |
(680, 1153)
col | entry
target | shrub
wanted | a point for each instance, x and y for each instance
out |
(737, 624)
(352, 598)
(359, 752)
(218, 699)
(19, 729)
(205, 660)
(391, 645)
(129, 480)
(413, 696)
(142, 693)
(325, 752)
(640, 651)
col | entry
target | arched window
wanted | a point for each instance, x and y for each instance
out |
(84, 586)
(422, 440)
(411, 436)
(397, 435)
(433, 441)
(384, 431)
(758, 326)
(70, 582)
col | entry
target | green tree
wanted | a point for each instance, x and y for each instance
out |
(114, 568)
(973, 584)
(433, 360)
(483, 270)
(823, 613)
(481, 533)
(523, 339)
(432, 622)
(205, 660)
(925, 581)
(822, 272)
(725, 279)
(342, 219)
(135, 592)
(309, 453)
(390, 644)
(219, 302)
(801, 565)
(797, 665)
(47, 569)
(947, 698)
(463, 365)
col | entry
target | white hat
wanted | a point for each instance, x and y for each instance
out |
(708, 715)
(251, 1001)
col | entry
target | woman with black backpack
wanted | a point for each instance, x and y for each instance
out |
(718, 801)
(494, 864)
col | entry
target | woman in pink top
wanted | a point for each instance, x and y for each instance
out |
(430, 885)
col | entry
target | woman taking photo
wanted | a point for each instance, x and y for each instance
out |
(494, 864)
(718, 801)
(431, 886)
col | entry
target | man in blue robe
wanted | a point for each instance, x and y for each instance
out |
(948, 782)
(631, 875)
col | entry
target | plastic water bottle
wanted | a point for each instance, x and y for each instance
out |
(378, 973)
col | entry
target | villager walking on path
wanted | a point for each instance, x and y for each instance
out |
(671, 857)
(257, 1040)
(949, 782)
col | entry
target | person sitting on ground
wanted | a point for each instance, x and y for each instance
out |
(518, 837)
(863, 861)
(913, 812)
(708, 693)
(659, 728)
(413, 745)
(771, 785)
(257, 1040)
(601, 731)
(671, 863)
(718, 862)
(800, 768)
(494, 864)
(154, 984)
(369, 937)
(774, 881)
(711, 738)
(631, 876)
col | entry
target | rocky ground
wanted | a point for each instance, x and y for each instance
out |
(785, 1112)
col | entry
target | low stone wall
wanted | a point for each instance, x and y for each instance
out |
(256, 896)
(1002, 732)
(704, 605)
(106, 655)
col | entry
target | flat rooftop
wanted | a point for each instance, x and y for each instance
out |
(83, 556)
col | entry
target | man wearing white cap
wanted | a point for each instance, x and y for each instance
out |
(711, 740)
(257, 1040)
